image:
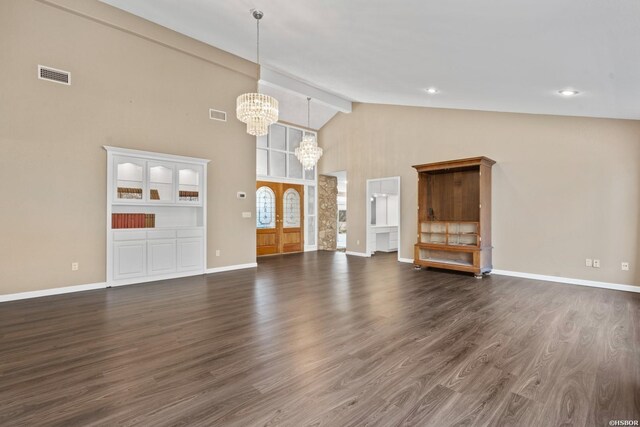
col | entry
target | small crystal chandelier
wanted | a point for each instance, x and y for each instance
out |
(308, 152)
(257, 110)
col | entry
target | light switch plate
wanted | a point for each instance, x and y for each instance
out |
(246, 214)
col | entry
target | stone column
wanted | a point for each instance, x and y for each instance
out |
(327, 212)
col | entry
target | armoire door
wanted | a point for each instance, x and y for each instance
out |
(279, 218)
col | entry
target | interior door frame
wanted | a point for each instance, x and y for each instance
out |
(368, 210)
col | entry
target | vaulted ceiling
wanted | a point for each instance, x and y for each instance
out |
(496, 55)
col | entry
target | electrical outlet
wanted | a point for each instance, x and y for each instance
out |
(589, 262)
(75, 266)
(246, 214)
(596, 263)
(625, 266)
(217, 252)
(358, 242)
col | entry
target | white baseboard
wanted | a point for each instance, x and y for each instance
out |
(362, 254)
(52, 291)
(407, 260)
(570, 281)
(231, 267)
(139, 280)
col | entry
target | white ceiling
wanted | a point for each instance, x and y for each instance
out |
(497, 55)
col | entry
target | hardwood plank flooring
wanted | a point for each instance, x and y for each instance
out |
(323, 339)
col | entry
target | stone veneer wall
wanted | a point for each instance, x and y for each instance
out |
(327, 212)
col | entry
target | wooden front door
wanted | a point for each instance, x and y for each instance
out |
(279, 218)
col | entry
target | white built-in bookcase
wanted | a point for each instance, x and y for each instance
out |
(173, 191)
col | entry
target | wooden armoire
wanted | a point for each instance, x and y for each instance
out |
(454, 215)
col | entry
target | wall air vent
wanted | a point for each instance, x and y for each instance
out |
(54, 75)
(217, 115)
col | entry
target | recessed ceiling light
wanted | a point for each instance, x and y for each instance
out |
(568, 92)
(431, 90)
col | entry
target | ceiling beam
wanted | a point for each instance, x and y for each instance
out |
(275, 79)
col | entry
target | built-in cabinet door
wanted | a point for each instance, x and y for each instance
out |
(130, 259)
(190, 185)
(161, 188)
(161, 256)
(190, 254)
(129, 174)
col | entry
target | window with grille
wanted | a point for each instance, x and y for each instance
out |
(265, 208)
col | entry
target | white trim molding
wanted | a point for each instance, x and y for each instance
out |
(569, 281)
(407, 260)
(231, 268)
(52, 291)
(360, 254)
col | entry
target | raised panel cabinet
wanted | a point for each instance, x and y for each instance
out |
(190, 254)
(454, 215)
(129, 259)
(161, 256)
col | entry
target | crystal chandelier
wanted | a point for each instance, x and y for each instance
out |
(308, 152)
(257, 110)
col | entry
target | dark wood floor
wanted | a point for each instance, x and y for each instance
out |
(323, 339)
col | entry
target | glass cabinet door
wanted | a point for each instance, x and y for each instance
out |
(161, 179)
(190, 184)
(129, 175)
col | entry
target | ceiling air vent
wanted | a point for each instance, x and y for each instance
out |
(53, 75)
(217, 115)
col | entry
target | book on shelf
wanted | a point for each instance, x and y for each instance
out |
(129, 193)
(190, 196)
(133, 220)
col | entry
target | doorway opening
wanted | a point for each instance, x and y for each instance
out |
(341, 211)
(383, 215)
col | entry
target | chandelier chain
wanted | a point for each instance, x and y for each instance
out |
(258, 41)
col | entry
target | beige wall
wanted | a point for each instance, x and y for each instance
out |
(564, 188)
(135, 85)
